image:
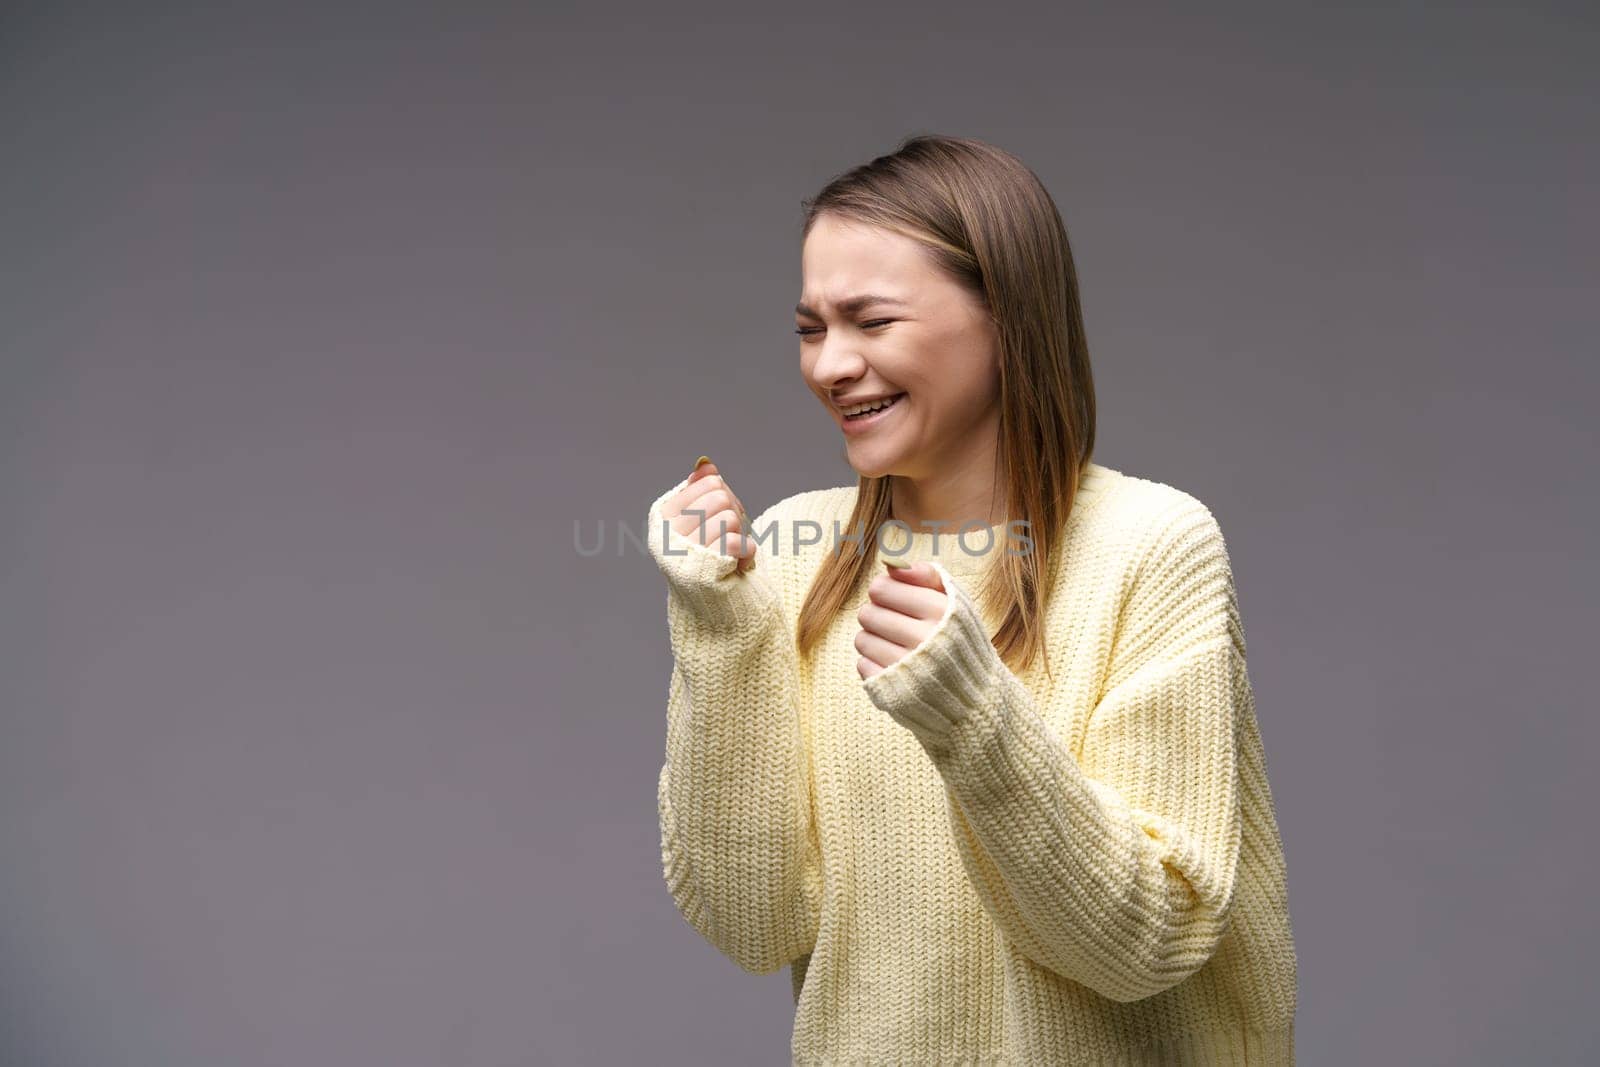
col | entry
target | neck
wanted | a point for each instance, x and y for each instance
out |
(961, 490)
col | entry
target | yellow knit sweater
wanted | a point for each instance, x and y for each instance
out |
(965, 865)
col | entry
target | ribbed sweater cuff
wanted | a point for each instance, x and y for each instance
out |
(705, 581)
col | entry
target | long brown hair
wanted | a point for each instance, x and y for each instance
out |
(987, 221)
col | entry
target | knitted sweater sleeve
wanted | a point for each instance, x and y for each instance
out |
(1115, 869)
(738, 843)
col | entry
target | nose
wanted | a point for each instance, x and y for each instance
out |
(836, 362)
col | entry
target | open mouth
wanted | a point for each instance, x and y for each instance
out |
(879, 410)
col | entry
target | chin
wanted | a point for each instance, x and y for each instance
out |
(873, 462)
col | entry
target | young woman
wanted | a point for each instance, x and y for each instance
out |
(1004, 801)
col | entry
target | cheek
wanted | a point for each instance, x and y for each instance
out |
(952, 402)
(975, 385)
(940, 390)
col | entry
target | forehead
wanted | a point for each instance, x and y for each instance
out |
(842, 259)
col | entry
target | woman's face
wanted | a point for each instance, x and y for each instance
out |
(921, 338)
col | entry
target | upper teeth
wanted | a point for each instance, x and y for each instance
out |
(871, 405)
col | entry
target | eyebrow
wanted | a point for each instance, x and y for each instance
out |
(852, 304)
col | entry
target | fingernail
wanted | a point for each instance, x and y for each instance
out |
(896, 564)
(702, 459)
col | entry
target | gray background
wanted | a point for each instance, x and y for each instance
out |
(321, 329)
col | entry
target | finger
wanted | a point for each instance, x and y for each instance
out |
(920, 573)
(708, 471)
(708, 483)
(702, 525)
(703, 479)
(740, 546)
(878, 649)
(738, 508)
(721, 531)
(724, 539)
(707, 494)
(917, 601)
(891, 625)
(700, 502)
(693, 488)
(866, 667)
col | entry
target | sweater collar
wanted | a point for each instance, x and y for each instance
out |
(970, 552)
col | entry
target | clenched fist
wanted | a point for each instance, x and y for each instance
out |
(903, 607)
(707, 512)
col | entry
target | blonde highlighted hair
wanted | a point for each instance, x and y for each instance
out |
(988, 222)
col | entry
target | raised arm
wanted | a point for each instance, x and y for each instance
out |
(1117, 872)
(738, 843)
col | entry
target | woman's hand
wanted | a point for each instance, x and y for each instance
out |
(707, 512)
(903, 607)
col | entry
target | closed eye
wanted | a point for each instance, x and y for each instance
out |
(806, 331)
